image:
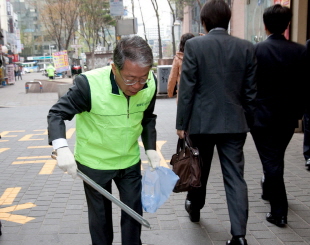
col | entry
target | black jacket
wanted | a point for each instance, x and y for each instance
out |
(281, 82)
(217, 89)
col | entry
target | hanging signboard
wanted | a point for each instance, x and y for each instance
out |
(61, 62)
(286, 3)
(127, 26)
(116, 8)
(10, 74)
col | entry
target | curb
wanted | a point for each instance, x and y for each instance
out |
(163, 96)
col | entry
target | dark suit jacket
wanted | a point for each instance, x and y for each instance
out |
(217, 88)
(281, 82)
(308, 80)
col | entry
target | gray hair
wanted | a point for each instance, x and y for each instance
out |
(134, 49)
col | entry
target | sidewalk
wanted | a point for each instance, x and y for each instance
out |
(39, 204)
(15, 95)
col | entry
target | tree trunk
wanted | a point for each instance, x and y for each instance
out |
(143, 21)
(155, 6)
(172, 28)
(133, 8)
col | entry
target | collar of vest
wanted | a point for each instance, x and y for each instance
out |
(115, 89)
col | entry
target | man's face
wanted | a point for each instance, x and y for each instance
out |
(130, 73)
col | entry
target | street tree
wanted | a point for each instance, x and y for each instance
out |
(133, 8)
(59, 18)
(189, 2)
(93, 15)
(27, 40)
(155, 6)
(170, 2)
(145, 37)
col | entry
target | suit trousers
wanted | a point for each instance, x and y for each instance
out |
(230, 151)
(306, 125)
(271, 143)
(128, 182)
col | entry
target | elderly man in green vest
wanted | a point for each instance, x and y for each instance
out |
(113, 106)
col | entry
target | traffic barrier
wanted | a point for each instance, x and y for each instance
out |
(33, 82)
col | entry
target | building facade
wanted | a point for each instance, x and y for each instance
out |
(247, 19)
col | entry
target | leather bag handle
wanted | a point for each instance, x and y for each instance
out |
(189, 143)
(181, 145)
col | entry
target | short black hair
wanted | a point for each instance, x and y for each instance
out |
(277, 18)
(184, 38)
(215, 13)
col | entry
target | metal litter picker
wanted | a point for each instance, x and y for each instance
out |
(109, 196)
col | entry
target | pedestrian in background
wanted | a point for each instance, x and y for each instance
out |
(50, 71)
(281, 79)
(21, 70)
(306, 120)
(17, 72)
(176, 69)
(114, 107)
(216, 107)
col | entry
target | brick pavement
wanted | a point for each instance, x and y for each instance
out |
(39, 204)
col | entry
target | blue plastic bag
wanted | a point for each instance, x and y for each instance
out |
(157, 186)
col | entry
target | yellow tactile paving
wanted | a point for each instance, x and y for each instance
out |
(70, 132)
(3, 149)
(45, 132)
(6, 215)
(34, 157)
(48, 167)
(163, 162)
(39, 146)
(9, 195)
(6, 133)
(28, 137)
(25, 162)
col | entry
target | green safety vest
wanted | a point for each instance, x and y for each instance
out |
(107, 135)
(50, 71)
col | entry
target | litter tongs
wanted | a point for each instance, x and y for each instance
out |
(109, 196)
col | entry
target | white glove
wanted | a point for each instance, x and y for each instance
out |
(154, 158)
(66, 161)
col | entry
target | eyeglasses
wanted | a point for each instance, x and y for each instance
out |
(132, 82)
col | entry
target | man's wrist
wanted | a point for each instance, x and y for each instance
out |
(59, 148)
(59, 143)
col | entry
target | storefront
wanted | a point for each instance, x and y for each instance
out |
(254, 26)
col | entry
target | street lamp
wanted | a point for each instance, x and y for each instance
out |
(50, 49)
(176, 23)
(44, 61)
(109, 44)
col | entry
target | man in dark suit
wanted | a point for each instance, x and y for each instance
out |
(280, 86)
(216, 103)
(306, 121)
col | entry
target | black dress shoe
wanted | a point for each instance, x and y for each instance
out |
(264, 196)
(194, 215)
(237, 241)
(307, 164)
(282, 221)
